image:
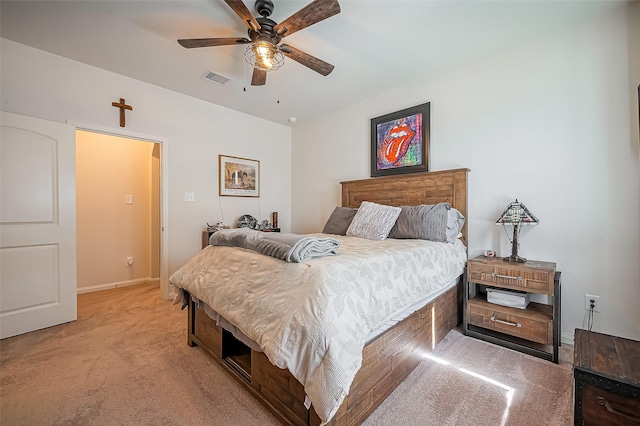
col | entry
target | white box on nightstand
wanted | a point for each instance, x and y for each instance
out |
(514, 299)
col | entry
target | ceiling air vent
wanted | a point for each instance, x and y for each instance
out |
(216, 78)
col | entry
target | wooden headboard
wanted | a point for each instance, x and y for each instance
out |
(411, 190)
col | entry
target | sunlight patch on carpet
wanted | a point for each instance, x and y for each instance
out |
(509, 391)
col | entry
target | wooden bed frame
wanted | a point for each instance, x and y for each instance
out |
(387, 360)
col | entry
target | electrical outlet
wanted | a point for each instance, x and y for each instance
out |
(129, 261)
(588, 298)
(189, 196)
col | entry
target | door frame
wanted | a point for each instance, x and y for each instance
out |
(165, 287)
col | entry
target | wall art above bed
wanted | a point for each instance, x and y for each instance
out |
(238, 177)
(400, 141)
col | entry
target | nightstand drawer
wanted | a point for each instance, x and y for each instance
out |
(517, 277)
(534, 324)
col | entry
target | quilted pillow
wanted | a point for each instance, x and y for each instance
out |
(424, 222)
(339, 221)
(373, 221)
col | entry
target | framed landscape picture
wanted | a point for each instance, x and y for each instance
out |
(400, 142)
(239, 177)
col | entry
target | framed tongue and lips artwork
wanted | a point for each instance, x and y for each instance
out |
(400, 142)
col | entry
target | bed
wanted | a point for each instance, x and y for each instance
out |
(383, 362)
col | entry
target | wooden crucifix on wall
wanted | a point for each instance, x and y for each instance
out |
(122, 105)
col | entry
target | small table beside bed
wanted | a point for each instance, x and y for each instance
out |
(326, 340)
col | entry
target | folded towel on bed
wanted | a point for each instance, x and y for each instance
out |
(290, 247)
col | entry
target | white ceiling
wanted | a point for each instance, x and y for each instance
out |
(374, 45)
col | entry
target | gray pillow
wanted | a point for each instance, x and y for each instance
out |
(373, 221)
(424, 222)
(339, 221)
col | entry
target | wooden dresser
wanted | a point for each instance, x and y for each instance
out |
(606, 371)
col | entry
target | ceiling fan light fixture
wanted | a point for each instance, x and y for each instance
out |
(264, 55)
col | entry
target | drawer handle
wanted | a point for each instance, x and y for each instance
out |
(512, 324)
(494, 275)
(610, 409)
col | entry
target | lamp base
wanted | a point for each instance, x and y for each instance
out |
(514, 259)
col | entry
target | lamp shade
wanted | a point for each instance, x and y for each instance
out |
(517, 213)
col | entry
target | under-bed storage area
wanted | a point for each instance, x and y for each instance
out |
(277, 389)
(219, 343)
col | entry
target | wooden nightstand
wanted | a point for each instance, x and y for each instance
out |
(534, 330)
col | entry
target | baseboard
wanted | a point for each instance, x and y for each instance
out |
(566, 338)
(110, 286)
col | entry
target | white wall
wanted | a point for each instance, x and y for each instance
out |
(547, 122)
(42, 85)
(633, 20)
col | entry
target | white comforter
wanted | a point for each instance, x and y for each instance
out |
(313, 317)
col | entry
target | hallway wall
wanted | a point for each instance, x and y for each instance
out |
(108, 229)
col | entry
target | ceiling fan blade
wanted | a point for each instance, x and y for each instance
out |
(259, 77)
(307, 60)
(190, 43)
(312, 13)
(241, 10)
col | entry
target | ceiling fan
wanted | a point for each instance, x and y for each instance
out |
(264, 52)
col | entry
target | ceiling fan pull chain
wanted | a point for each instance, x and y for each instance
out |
(244, 77)
(278, 84)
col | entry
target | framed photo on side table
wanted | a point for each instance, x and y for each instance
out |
(400, 142)
(238, 177)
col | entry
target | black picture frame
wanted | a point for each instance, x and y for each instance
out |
(400, 141)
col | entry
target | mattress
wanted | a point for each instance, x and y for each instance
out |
(314, 318)
(377, 331)
(404, 313)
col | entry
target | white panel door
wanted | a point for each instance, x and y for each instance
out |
(37, 224)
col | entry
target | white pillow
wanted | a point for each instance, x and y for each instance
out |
(373, 221)
(455, 222)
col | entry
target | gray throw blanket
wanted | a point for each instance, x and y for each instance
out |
(289, 247)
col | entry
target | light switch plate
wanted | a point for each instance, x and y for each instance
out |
(128, 199)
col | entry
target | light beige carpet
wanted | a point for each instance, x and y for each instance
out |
(466, 381)
(126, 362)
